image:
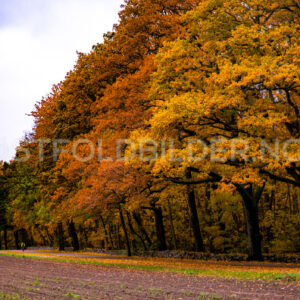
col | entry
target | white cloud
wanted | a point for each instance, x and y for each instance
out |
(37, 47)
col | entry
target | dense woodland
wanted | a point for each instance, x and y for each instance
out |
(177, 70)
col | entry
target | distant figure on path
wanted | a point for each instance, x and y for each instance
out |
(23, 246)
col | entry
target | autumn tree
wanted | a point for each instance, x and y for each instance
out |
(4, 190)
(124, 104)
(233, 76)
(193, 75)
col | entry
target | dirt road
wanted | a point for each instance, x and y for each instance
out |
(41, 279)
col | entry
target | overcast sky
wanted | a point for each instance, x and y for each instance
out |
(38, 43)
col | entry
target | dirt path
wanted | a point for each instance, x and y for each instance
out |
(55, 280)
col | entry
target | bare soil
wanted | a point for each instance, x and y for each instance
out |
(41, 279)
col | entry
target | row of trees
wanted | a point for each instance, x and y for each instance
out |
(225, 73)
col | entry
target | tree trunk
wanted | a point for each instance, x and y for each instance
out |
(138, 220)
(105, 233)
(84, 241)
(49, 237)
(30, 238)
(133, 230)
(16, 235)
(251, 199)
(194, 215)
(118, 236)
(110, 236)
(160, 230)
(172, 225)
(43, 238)
(60, 237)
(125, 232)
(73, 235)
(5, 237)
